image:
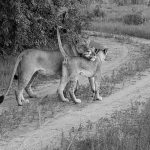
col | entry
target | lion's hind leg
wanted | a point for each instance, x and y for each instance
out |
(73, 83)
(97, 86)
(92, 84)
(28, 87)
(19, 94)
(23, 81)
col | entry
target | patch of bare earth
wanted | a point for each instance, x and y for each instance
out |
(49, 133)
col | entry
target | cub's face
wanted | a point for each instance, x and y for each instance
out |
(93, 53)
(101, 53)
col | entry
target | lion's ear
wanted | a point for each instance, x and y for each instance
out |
(97, 50)
(105, 50)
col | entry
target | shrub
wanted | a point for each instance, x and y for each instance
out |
(98, 13)
(90, 15)
(133, 19)
(30, 24)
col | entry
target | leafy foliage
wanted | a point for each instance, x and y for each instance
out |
(31, 23)
(133, 19)
(7, 25)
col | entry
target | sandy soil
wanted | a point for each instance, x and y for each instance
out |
(50, 132)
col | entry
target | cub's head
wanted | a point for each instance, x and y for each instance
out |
(101, 53)
(92, 53)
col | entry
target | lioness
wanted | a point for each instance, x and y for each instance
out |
(32, 62)
(72, 67)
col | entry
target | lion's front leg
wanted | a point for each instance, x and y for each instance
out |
(97, 86)
(63, 83)
(92, 84)
(61, 88)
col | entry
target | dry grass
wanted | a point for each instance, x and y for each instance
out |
(114, 23)
(124, 130)
(141, 31)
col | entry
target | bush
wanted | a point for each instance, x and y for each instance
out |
(30, 24)
(98, 13)
(90, 15)
(133, 19)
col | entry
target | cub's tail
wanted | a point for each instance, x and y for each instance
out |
(60, 45)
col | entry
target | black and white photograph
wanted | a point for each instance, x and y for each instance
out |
(74, 74)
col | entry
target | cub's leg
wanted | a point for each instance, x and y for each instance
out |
(63, 83)
(68, 87)
(97, 86)
(28, 87)
(92, 84)
(73, 84)
(23, 81)
(77, 86)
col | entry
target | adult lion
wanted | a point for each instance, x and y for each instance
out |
(32, 62)
(29, 64)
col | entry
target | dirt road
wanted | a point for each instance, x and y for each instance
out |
(50, 132)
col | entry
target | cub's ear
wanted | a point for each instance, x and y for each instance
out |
(96, 50)
(105, 50)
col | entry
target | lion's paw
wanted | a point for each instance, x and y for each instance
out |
(65, 100)
(99, 98)
(26, 101)
(78, 101)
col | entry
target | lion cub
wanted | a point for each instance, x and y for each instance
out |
(73, 67)
(89, 66)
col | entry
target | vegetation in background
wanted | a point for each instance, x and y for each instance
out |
(127, 2)
(26, 24)
(133, 19)
(118, 28)
(98, 12)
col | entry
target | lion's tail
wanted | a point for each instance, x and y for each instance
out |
(60, 44)
(12, 76)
